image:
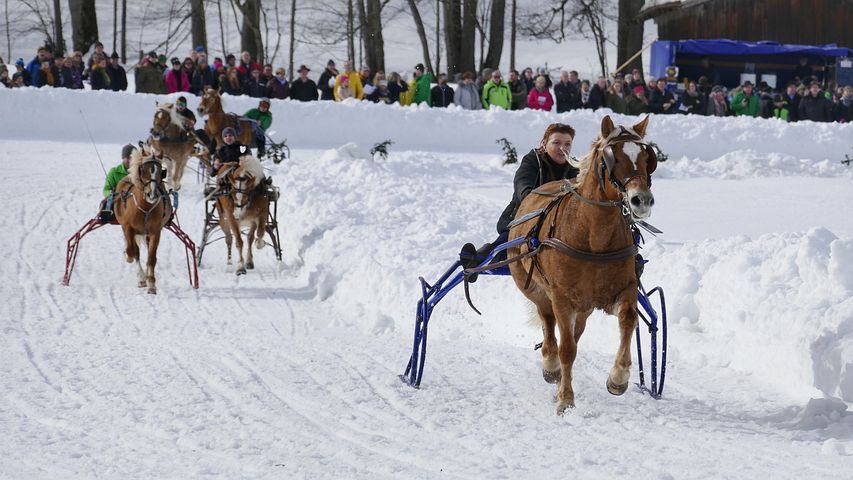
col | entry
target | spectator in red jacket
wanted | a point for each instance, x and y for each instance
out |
(176, 78)
(540, 97)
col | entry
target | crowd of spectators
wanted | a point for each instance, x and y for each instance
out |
(101, 72)
(803, 98)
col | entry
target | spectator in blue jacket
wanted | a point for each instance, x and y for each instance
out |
(35, 64)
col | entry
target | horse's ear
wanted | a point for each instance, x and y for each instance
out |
(606, 126)
(640, 127)
(141, 145)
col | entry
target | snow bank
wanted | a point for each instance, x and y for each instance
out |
(730, 145)
(777, 308)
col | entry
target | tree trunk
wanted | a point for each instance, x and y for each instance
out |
(221, 27)
(374, 45)
(438, 35)
(292, 38)
(453, 35)
(496, 34)
(57, 33)
(630, 35)
(250, 38)
(123, 31)
(416, 15)
(512, 37)
(84, 24)
(115, 25)
(199, 25)
(468, 41)
(350, 33)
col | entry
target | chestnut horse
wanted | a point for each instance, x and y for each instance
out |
(217, 120)
(175, 141)
(591, 260)
(142, 209)
(246, 206)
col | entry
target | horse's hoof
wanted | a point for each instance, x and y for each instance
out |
(142, 284)
(563, 406)
(241, 271)
(552, 377)
(616, 389)
(250, 265)
(152, 291)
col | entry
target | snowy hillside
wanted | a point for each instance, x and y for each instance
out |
(291, 371)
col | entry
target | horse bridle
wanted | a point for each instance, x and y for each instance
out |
(608, 160)
(240, 190)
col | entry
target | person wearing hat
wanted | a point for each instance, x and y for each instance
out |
(637, 103)
(187, 116)
(745, 102)
(114, 176)
(263, 118)
(22, 72)
(278, 86)
(303, 88)
(230, 151)
(814, 105)
(118, 76)
(718, 106)
(326, 83)
(423, 82)
(353, 83)
(176, 78)
(149, 75)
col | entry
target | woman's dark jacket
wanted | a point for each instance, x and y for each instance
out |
(536, 169)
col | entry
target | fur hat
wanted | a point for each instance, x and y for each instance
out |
(229, 131)
(127, 150)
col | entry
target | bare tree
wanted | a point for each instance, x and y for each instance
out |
(370, 29)
(292, 38)
(8, 32)
(221, 27)
(496, 34)
(59, 42)
(84, 24)
(124, 31)
(250, 34)
(468, 42)
(350, 32)
(437, 35)
(199, 25)
(630, 34)
(453, 35)
(564, 17)
(419, 24)
(512, 37)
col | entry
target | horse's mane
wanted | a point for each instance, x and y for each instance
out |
(585, 162)
(173, 114)
(136, 160)
(253, 167)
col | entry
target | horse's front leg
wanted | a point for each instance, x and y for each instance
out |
(550, 360)
(617, 381)
(153, 243)
(140, 273)
(241, 265)
(250, 237)
(567, 351)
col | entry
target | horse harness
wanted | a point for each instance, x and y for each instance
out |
(161, 193)
(566, 190)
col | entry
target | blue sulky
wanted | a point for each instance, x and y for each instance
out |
(432, 294)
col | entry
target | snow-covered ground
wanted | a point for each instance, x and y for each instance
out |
(291, 371)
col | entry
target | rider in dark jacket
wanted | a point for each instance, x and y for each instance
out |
(546, 163)
(231, 151)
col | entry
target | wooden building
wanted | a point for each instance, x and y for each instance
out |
(802, 22)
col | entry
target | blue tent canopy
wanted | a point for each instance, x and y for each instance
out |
(769, 56)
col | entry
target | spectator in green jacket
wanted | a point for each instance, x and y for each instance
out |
(114, 176)
(744, 103)
(263, 116)
(496, 93)
(423, 82)
(149, 76)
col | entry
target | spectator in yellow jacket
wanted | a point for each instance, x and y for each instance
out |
(354, 82)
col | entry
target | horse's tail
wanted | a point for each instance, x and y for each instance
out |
(533, 317)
